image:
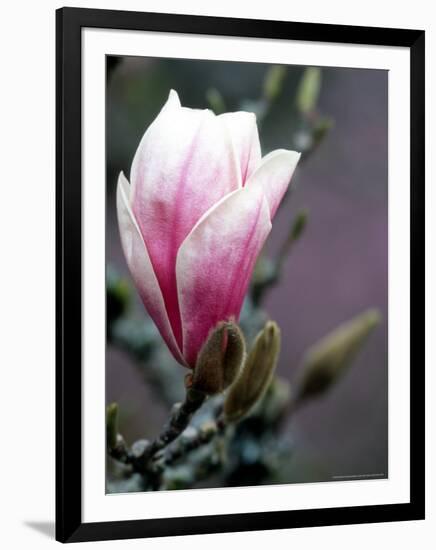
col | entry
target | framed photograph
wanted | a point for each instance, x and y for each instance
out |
(240, 274)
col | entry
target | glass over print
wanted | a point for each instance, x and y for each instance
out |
(225, 344)
(246, 274)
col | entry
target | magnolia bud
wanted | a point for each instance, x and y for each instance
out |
(299, 225)
(220, 359)
(216, 101)
(327, 360)
(273, 82)
(112, 425)
(308, 90)
(256, 375)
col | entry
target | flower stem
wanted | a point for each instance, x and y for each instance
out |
(206, 434)
(178, 421)
(180, 417)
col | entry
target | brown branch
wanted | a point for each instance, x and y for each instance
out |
(142, 453)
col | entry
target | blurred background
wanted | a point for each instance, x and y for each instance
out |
(338, 268)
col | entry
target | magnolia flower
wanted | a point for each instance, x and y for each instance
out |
(195, 216)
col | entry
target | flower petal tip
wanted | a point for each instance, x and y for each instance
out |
(173, 97)
(123, 185)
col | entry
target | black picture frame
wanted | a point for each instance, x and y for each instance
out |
(69, 525)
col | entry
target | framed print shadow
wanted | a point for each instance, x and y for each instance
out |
(240, 275)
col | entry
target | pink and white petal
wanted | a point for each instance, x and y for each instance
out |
(245, 137)
(172, 103)
(215, 264)
(138, 260)
(184, 165)
(274, 175)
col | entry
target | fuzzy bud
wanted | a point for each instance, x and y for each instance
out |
(273, 82)
(256, 375)
(308, 90)
(220, 359)
(327, 360)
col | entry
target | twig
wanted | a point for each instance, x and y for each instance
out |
(181, 415)
(120, 451)
(204, 436)
(179, 420)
